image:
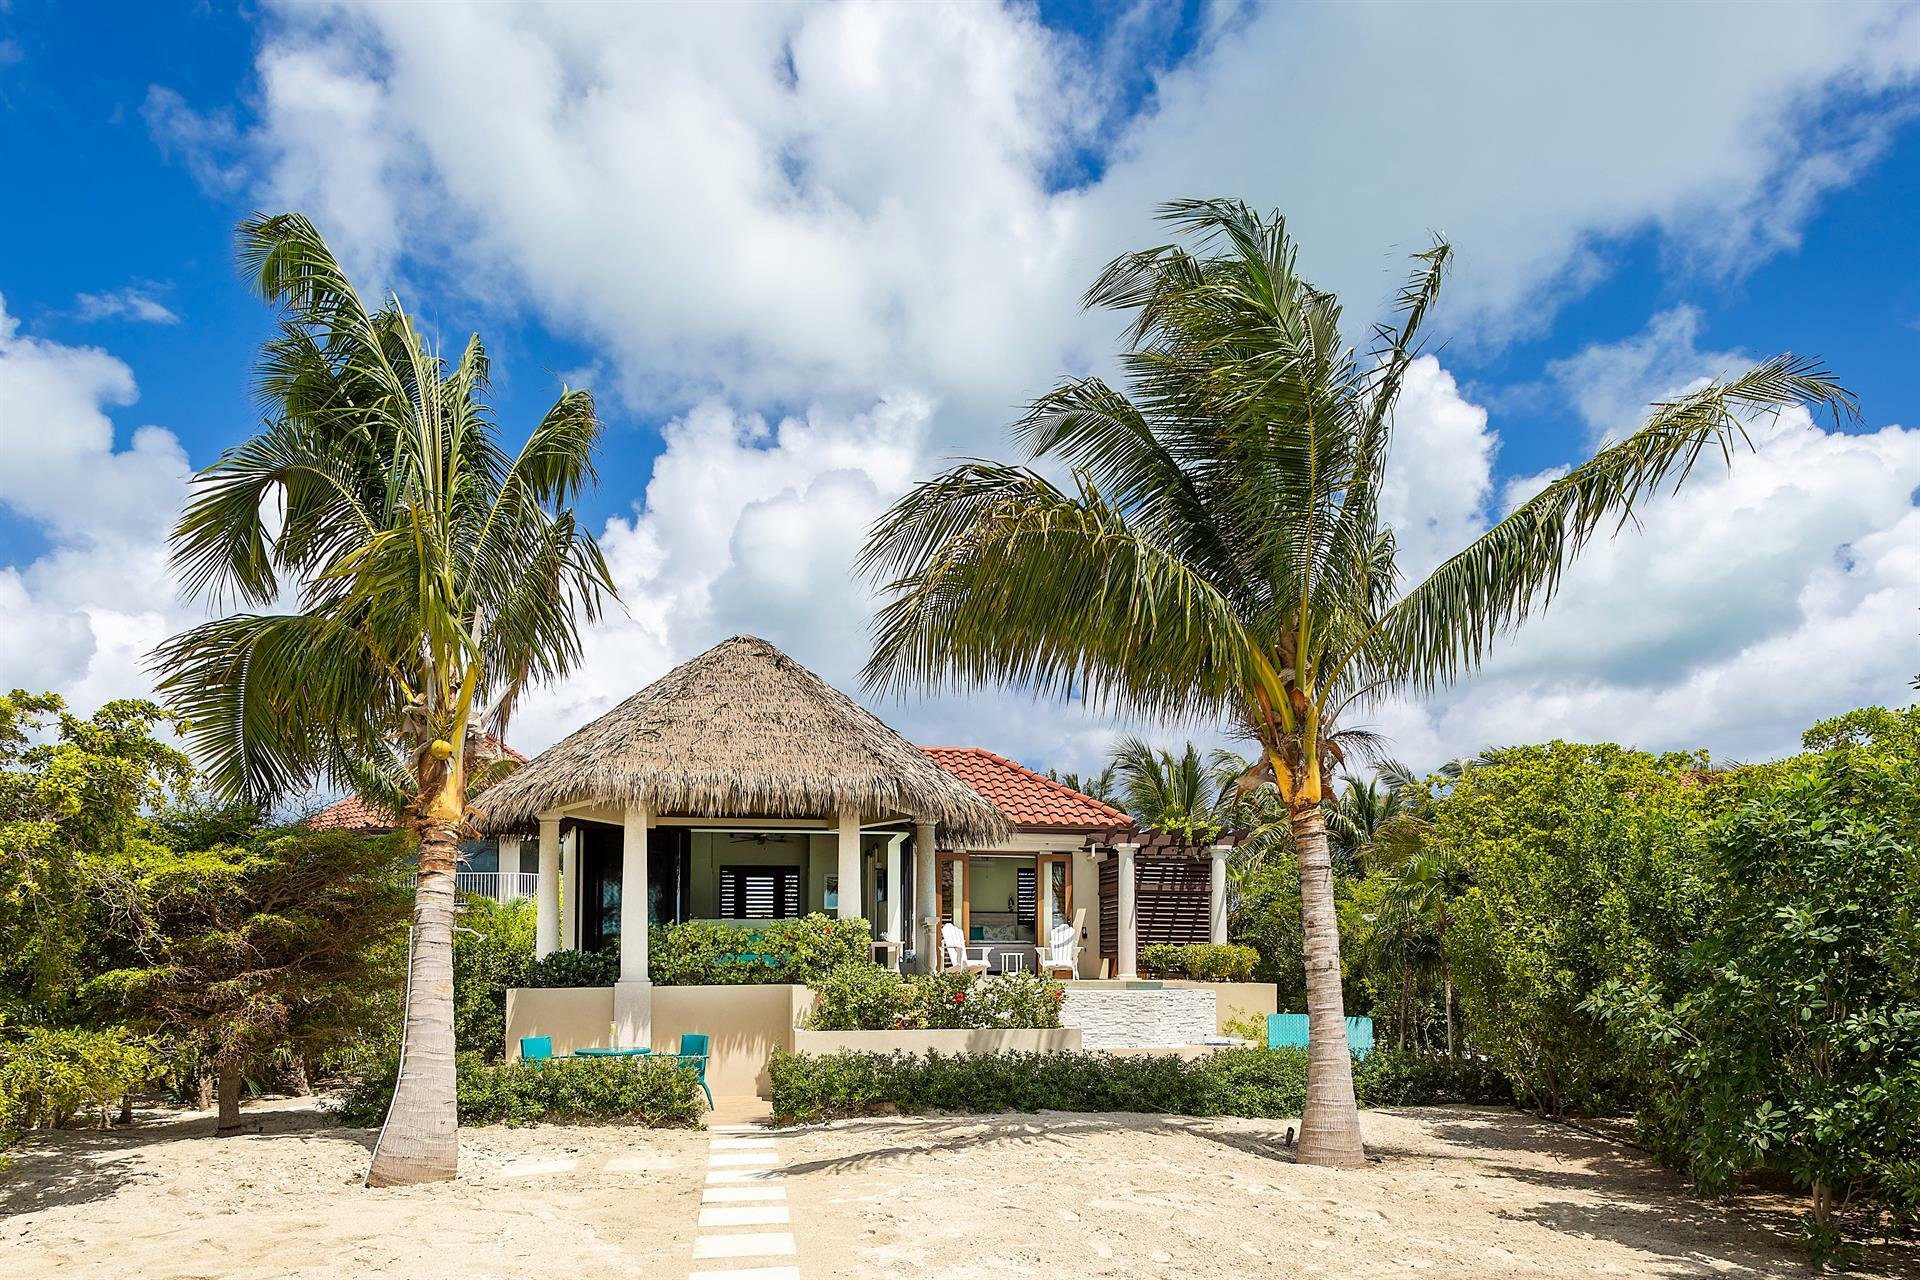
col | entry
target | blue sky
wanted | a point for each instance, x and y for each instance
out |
(952, 178)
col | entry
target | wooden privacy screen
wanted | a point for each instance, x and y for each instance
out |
(1170, 901)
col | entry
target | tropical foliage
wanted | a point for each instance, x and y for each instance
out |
(1218, 550)
(434, 577)
(864, 997)
(1787, 1036)
(1234, 1082)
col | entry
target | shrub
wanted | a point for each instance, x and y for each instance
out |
(707, 953)
(50, 1076)
(1249, 1082)
(1399, 1078)
(492, 951)
(864, 997)
(1162, 958)
(656, 1092)
(574, 969)
(1200, 961)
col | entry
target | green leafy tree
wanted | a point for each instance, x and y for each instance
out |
(253, 950)
(1583, 864)
(434, 575)
(1790, 1037)
(71, 794)
(1218, 549)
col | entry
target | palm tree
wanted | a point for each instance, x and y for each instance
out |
(434, 577)
(1097, 785)
(1356, 816)
(1218, 551)
(1165, 792)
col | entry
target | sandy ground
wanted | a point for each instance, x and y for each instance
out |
(1455, 1192)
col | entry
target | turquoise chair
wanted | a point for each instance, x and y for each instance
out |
(536, 1048)
(1289, 1031)
(693, 1050)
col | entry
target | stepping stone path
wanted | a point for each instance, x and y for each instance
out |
(745, 1230)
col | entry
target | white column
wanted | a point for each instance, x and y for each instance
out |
(1217, 896)
(1127, 964)
(891, 930)
(546, 901)
(926, 897)
(570, 890)
(850, 908)
(509, 869)
(633, 992)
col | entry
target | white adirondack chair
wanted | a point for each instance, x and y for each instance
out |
(1061, 955)
(954, 944)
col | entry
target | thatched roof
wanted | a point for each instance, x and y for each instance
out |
(742, 731)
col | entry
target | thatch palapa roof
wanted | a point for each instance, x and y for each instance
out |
(742, 731)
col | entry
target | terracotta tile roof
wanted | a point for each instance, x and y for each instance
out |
(356, 813)
(352, 814)
(1028, 799)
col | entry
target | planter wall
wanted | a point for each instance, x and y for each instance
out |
(1143, 1015)
(1233, 1000)
(745, 1023)
(976, 1040)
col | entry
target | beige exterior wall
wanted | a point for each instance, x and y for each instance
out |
(1086, 897)
(745, 1024)
(972, 1040)
(1233, 1000)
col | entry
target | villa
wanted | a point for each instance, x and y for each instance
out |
(740, 787)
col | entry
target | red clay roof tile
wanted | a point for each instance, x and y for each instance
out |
(1028, 799)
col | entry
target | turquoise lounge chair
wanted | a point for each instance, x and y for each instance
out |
(693, 1050)
(536, 1048)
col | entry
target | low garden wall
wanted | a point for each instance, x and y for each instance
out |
(745, 1024)
(1237, 1001)
(1119, 1015)
(946, 1041)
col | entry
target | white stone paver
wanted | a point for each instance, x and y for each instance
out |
(744, 1190)
(744, 1244)
(767, 1156)
(745, 1215)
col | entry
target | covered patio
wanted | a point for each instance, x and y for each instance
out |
(739, 787)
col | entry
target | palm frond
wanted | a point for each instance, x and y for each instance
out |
(1444, 626)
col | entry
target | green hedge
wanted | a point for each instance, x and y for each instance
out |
(864, 997)
(1200, 961)
(1266, 1083)
(706, 953)
(655, 1092)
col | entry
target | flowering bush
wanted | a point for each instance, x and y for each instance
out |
(865, 997)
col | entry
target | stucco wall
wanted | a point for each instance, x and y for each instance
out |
(975, 1040)
(745, 1024)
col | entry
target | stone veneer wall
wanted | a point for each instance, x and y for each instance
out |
(1139, 1018)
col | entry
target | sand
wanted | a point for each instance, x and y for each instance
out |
(1455, 1192)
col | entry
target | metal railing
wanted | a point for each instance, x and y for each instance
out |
(501, 886)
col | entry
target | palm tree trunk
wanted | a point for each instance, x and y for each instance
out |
(231, 1083)
(1330, 1122)
(420, 1141)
